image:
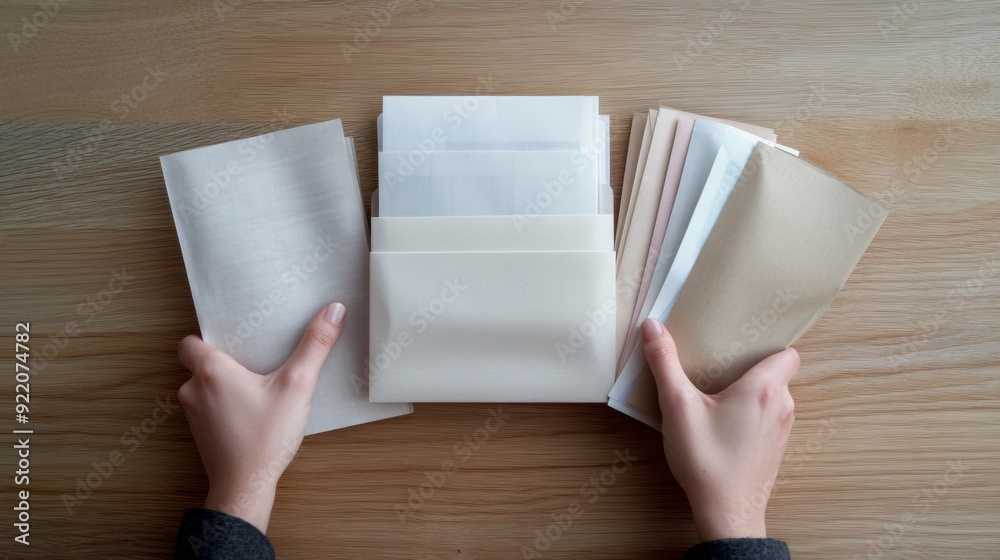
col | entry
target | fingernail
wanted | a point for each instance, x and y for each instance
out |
(335, 313)
(650, 329)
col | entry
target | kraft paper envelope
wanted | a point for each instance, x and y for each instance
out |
(782, 248)
(465, 123)
(489, 310)
(647, 138)
(272, 229)
(716, 151)
(635, 249)
(631, 162)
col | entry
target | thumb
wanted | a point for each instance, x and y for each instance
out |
(777, 369)
(320, 335)
(661, 354)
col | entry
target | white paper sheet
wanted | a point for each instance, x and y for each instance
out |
(488, 183)
(716, 152)
(465, 123)
(271, 229)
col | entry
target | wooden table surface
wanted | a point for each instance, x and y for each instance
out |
(896, 447)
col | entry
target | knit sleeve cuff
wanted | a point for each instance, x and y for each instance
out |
(207, 534)
(739, 549)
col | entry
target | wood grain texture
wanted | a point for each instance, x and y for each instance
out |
(899, 381)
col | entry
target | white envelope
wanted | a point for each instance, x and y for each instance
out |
(492, 309)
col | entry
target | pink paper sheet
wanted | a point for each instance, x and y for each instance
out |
(682, 137)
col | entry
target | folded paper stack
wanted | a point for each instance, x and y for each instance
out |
(733, 241)
(272, 229)
(492, 264)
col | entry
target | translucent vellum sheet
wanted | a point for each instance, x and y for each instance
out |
(487, 183)
(272, 228)
(467, 123)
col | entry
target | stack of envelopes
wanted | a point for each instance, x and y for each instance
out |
(492, 264)
(732, 240)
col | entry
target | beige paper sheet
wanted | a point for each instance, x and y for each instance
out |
(631, 162)
(635, 247)
(785, 243)
(647, 138)
(638, 235)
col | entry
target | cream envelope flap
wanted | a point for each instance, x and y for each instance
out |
(492, 233)
(500, 310)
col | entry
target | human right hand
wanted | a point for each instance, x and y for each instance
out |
(723, 449)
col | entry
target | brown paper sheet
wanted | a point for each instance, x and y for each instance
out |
(631, 162)
(647, 138)
(785, 243)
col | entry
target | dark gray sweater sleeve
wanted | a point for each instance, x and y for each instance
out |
(207, 534)
(739, 549)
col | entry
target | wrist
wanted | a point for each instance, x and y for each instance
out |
(252, 505)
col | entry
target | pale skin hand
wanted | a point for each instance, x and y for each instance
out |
(249, 426)
(723, 449)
